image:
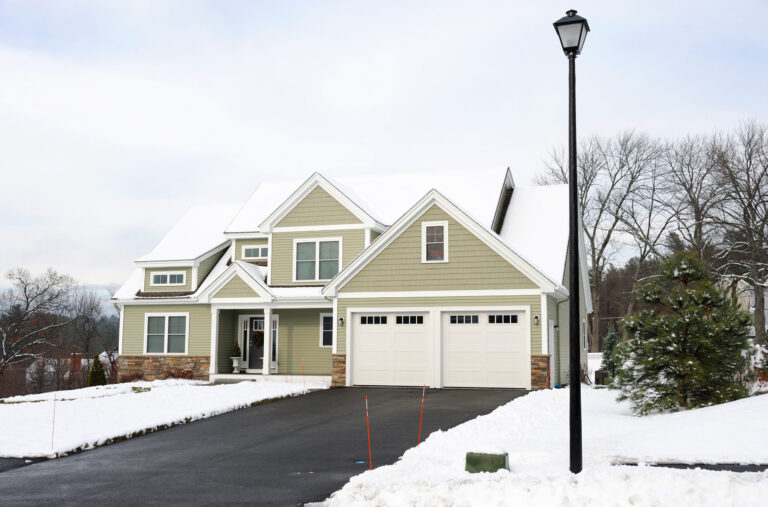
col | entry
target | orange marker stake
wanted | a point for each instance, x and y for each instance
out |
(368, 425)
(53, 424)
(421, 413)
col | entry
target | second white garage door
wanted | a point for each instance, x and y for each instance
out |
(390, 349)
(485, 349)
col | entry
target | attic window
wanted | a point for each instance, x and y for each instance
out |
(168, 278)
(255, 252)
(434, 241)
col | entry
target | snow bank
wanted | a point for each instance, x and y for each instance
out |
(534, 431)
(93, 416)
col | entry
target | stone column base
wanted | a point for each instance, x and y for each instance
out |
(159, 367)
(339, 372)
(539, 371)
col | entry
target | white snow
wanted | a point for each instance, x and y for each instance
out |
(133, 284)
(89, 417)
(534, 431)
(264, 200)
(200, 230)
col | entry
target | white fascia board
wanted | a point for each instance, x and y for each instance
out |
(409, 217)
(155, 301)
(304, 189)
(228, 274)
(246, 235)
(313, 228)
(180, 263)
(212, 251)
(440, 293)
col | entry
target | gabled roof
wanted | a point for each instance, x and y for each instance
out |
(547, 283)
(251, 274)
(197, 233)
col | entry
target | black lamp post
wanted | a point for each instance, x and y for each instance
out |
(572, 30)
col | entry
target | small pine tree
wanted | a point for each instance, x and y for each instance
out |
(610, 357)
(688, 346)
(97, 377)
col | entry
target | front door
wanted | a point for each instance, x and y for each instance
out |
(255, 343)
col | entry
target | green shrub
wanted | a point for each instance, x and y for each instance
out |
(687, 347)
(97, 377)
(610, 358)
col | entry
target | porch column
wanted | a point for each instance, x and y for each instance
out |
(214, 340)
(267, 340)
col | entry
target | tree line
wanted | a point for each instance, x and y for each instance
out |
(706, 194)
(50, 329)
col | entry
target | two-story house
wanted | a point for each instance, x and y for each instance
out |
(402, 286)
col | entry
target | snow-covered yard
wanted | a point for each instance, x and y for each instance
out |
(89, 417)
(534, 431)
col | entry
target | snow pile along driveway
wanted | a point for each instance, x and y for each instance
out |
(534, 431)
(89, 417)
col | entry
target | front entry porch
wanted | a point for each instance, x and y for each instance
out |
(233, 378)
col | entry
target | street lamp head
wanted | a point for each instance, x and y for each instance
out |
(572, 30)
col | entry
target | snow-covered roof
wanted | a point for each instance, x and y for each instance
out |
(257, 272)
(384, 196)
(197, 232)
(536, 227)
(297, 292)
(132, 285)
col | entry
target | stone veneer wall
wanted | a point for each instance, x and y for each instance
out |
(539, 371)
(158, 367)
(339, 373)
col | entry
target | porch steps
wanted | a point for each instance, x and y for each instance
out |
(234, 378)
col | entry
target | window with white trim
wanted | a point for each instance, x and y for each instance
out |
(316, 259)
(434, 241)
(168, 278)
(255, 252)
(326, 329)
(166, 334)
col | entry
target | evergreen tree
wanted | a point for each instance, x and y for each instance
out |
(610, 356)
(97, 377)
(687, 347)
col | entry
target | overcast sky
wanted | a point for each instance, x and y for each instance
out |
(117, 116)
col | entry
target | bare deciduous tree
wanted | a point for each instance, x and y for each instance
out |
(32, 314)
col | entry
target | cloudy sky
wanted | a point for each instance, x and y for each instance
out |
(117, 116)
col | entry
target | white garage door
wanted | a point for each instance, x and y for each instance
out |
(390, 349)
(485, 349)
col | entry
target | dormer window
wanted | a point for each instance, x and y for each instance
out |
(168, 278)
(434, 241)
(252, 252)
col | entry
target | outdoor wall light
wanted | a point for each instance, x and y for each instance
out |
(572, 30)
(341, 321)
(535, 320)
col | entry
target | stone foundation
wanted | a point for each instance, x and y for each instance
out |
(539, 372)
(339, 373)
(159, 367)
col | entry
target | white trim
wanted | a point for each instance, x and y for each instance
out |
(433, 197)
(194, 278)
(165, 335)
(185, 263)
(544, 323)
(212, 368)
(152, 275)
(335, 348)
(276, 329)
(441, 293)
(319, 228)
(259, 258)
(317, 241)
(266, 363)
(436, 332)
(367, 238)
(245, 235)
(235, 269)
(120, 331)
(333, 326)
(269, 259)
(424, 225)
(249, 304)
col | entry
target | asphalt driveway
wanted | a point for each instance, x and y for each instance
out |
(284, 453)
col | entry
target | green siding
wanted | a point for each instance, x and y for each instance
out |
(471, 264)
(168, 288)
(207, 265)
(353, 243)
(236, 288)
(299, 337)
(199, 341)
(261, 242)
(533, 301)
(225, 340)
(318, 208)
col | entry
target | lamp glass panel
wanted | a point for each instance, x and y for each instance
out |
(569, 35)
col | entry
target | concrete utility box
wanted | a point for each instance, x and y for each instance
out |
(483, 462)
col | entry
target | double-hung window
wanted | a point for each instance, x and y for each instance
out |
(168, 278)
(167, 333)
(434, 241)
(316, 259)
(326, 329)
